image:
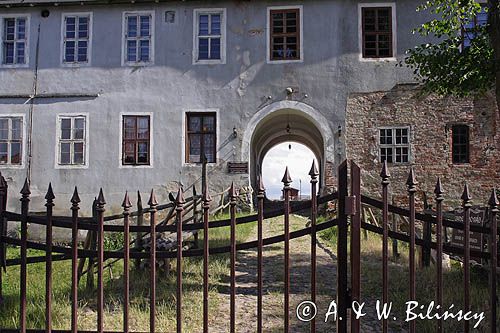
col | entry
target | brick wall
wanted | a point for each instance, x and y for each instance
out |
(430, 119)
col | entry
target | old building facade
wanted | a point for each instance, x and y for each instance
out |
(129, 95)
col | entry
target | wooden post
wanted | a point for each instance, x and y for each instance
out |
(3, 229)
(93, 246)
(140, 221)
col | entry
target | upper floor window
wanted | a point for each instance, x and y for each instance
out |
(139, 40)
(14, 40)
(394, 144)
(136, 142)
(285, 35)
(377, 31)
(11, 140)
(460, 144)
(209, 38)
(76, 38)
(201, 137)
(72, 140)
(470, 28)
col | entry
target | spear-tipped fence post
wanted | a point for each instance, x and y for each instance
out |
(412, 189)
(385, 175)
(466, 204)
(75, 200)
(232, 212)
(100, 259)
(260, 244)
(140, 222)
(49, 197)
(206, 207)
(313, 173)
(287, 180)
(493, 203)
(152, 248)
(179, 202)
(3, 229)
(126, 259)
(25, 199)
(438, 191)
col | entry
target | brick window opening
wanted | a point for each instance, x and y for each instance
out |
(11, 140)
(14, 38)
(201, 137)
(136, 140)
(138, 38)
(394, 145)
(76, 37)
(377, 32)
(460, 144)
(72, 140)
(285, 34)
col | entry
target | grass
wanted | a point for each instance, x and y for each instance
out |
(371, 284)
(139, 289)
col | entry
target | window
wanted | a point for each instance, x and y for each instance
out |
(136, 140)
(11, 140)
(460, 144)
(395, 144)
(15, 40)
(471, 27)
(201, 137)
(285, 36)
(377, 32)
(209, 39)
(72, 140)
(76, 38)
(139, 44)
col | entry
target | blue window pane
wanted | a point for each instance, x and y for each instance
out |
(215, 48)
(83, 27)
(70, 27)
(20, 52)
(215, 26)
(144, 50)
(131, 50)
(482, 18)
(203, 25)
(21, 28)
(203, 48)
(132, 26)
(145, 26)
(8, 53)
(69, 51)
(10, 28)
(82, 50)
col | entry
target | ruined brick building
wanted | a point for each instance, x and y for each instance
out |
(129, 95)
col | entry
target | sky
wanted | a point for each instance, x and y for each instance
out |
(298, 159)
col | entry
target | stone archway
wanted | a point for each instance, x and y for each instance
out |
(267, 128)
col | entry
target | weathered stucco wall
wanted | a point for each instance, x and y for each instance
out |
(330, 70)
(430, 119)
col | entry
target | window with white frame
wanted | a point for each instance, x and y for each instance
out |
(138, 38)
(209, 39)
(72, 140)
(14, 40)
(76, 38)
(394, 144)
(11, 140)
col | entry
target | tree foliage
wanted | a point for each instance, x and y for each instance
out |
(444, 65)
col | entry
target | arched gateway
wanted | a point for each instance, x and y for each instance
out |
(268, 127)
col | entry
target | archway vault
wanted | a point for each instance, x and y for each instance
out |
(268, 127)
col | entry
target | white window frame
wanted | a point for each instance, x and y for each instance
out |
(184, 138)
(27, 43)
(394, 31)
(57, 164)
(77, 63)
(23, 141)
(124, 39)
(151, 142)
(394, 145)
(268, 35)
(196, 15)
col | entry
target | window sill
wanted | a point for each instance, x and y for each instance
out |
(14, 66)
(138, 64)
(135, 166)
(75, 64)
(209, 62)
(11, 166)
(194, 165)
(278, 62)
(71, 166)
(388, 59)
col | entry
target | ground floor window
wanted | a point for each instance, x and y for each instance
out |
(72, 140)
(200, 137)
(460, 144)
(11, 140)
(136, 140)
(394, 144)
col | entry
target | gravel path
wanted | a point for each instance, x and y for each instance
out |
(246, 281)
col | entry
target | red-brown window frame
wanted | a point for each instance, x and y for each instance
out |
(202, 133)
(295, 34)
(377, 32)
(136, 141)
(461, 157)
